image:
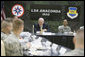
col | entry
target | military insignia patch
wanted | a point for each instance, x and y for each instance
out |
(18, 10)
(72, 12)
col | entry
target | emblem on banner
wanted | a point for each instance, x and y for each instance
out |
(17, 10)
(72, 12)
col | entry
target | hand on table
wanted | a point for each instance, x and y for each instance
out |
(28, 45)
(44, 30)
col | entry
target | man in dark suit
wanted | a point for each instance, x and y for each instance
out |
(41, 26)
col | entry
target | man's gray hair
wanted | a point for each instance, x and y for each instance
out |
(41, 19)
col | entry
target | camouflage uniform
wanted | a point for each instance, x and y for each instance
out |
(13, 46)
(3, 36)
(64, 29)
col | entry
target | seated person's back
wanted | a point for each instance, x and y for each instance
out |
(79, 44)
(12, 44)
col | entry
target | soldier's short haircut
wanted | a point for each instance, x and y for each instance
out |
(9, 20)
(5, 23)
(17, 23)
(65, 21)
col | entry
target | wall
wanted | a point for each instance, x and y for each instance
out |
(52, 24)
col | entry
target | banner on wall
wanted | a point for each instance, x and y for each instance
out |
(48, 12)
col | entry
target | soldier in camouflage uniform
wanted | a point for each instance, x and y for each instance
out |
(12, 44)
(6, 27)
(79, 45)
(64, 27)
